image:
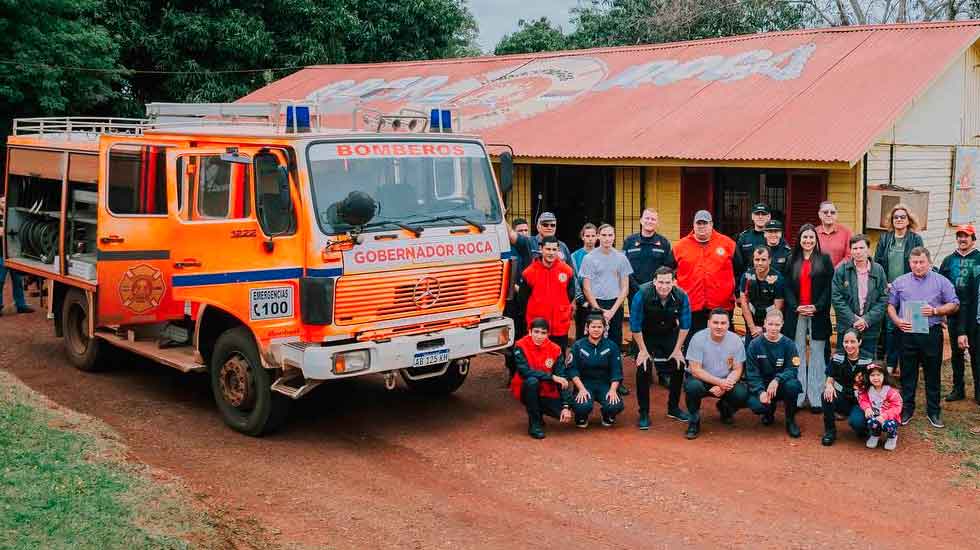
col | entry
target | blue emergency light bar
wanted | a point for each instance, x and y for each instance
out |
(300, 114)
(441, 120)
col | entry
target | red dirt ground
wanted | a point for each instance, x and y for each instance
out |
(360, 467)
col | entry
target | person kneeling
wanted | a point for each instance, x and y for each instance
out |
(715, 359)
(596, 370)
(540, 381)
(882, 406)
(772, 364)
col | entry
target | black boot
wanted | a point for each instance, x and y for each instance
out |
(535, 428)
(693, 428)
(791, 427)
(828, 438)
(956, 395)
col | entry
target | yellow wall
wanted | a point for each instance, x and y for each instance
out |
(663, 192)
(518, 200)
(844, 188)
(629, 190)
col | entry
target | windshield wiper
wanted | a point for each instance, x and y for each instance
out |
(479, 226)
(417, 231)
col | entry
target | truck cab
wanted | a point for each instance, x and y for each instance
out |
(274, 257)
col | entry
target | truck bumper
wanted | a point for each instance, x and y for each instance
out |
(317, 361)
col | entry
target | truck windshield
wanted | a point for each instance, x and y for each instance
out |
(422, 183)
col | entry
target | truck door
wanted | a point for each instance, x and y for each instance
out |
(134, 237)
(237, 246)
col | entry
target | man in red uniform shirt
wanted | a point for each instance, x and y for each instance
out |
(540, 382)
(705, 271)
(549, 291)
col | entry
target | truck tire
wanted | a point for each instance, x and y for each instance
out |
(242, 387)
(444, 384)
(85, 353)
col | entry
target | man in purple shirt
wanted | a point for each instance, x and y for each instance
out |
(936, 298)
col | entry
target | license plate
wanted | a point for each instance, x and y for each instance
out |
(426, 358)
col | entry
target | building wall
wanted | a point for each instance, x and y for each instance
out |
(844, 188)
(663, 192)
(518, 200)
(628, 201)
(923, 168)
(937, 117)
(971, 96)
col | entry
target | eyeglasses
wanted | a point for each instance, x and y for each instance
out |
(900, 217)
(828, 211)
(549, 224)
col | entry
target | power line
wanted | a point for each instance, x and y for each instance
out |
(123, 70)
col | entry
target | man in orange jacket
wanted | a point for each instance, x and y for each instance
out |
(540, 382)
(705, 272)
(549, 291)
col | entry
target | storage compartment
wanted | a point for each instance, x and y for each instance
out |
(34, 207)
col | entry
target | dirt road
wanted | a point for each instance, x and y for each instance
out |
(360, 467)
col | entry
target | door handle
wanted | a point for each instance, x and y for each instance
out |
(187, 262)
(111, 239)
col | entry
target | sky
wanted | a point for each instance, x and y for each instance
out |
(499, 17)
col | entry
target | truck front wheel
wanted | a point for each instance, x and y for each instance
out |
(444, 384)
(242, 386)
(86, 353)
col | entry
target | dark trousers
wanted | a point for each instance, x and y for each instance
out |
(668, 369)
(844, 405)
(598, 391)
(696, 390)
(537, 405)
(893, 343)
(581, 312)
(788, 393)
(925, 350)
(959, 362)
(616, 323)
(562, 342)
(515, 311)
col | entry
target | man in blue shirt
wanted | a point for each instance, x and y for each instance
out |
(771, 372)
(935, 298)
(647, 251)
(660, 318)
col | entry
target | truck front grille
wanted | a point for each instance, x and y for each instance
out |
(370, 297)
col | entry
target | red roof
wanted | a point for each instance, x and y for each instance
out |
(809, 95)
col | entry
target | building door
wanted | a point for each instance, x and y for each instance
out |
(804, 193)
(576, 194)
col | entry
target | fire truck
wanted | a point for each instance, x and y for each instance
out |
(253, 243)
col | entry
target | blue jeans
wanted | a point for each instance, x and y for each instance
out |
(18, 290)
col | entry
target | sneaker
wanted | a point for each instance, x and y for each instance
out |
(768, 418)
(936, 420)
(727, 416)
(792, 429)
(891, 442)
(692, 430)
(906, 418)
(678, 415)
(956, 395)
(623, 390)
(644, 422)
(873, 442)
(582, 423)
(608, 421)
(828, 439)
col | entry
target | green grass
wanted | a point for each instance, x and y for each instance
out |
(64, 484)
(961, 436)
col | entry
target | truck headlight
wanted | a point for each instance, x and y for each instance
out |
(495, 337)
(347, 362)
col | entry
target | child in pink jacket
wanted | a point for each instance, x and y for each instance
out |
(882, 406)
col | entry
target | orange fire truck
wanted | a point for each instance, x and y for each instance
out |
(249, 242)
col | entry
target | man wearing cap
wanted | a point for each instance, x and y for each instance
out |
(748, 240)
(704, 271)
(835, 239)
(779, 251)
(962, 268)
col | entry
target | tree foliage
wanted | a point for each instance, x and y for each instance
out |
(532, 36)
(852, 12)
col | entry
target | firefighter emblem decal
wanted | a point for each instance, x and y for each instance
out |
(141, 288)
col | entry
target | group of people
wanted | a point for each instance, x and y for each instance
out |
(682, 296)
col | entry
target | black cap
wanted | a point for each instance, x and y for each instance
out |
(760, 207)
(773, 225)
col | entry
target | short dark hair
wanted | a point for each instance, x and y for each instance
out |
(663, 270)
(519, 221)
(586, 227)
(605, 225)
(594, 316)
(858, 238)
(854, 331)
(540, 322)
(548, 240)
(921, 251)
(719, 311)
(762, 248)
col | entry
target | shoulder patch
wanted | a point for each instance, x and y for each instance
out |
(837, 357)
(796, 361)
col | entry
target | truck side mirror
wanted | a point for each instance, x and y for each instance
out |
(506, 171)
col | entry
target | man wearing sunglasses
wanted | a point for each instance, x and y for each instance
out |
(834, 238)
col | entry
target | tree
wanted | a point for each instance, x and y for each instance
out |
(532, 36)
(623, 22)
(852, 12)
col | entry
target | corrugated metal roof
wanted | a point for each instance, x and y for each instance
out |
(813, 95)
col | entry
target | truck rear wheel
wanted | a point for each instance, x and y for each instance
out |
(86, 353)
(444, 384)
(242, 386)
